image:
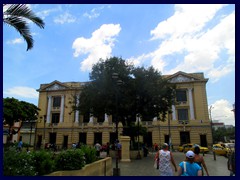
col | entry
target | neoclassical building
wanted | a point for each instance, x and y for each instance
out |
(188, 123)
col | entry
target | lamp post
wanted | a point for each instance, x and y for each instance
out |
(169, 133)
(158, 121)
(30, 133)
(138, 154)
(44, 129)
(116, 170)
(210, 114)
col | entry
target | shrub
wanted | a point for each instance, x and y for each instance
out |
(70, 159)
(18, 163)
(44, 162)
(89, 154)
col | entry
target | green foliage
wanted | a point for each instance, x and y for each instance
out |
(141, 91)
(38, 163)
(18, 163)
(133, 130)
(220, 133)
(70, 159)
(15, 110)
(44, 162)
(89, 153)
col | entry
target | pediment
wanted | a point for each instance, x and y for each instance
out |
(55, 87)
(182, 77)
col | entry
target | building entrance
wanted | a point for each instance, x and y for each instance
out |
(184, 137)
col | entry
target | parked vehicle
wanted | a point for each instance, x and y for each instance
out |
(190, 146)
(219, 149)
(224, 149)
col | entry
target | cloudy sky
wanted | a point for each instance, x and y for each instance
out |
(172, 38)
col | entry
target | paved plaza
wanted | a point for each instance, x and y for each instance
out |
(144, 166)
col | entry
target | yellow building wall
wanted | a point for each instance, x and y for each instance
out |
(199, 126)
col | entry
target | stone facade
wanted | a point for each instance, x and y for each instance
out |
(189, 121)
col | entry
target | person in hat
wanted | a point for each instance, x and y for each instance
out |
(189, 167)
(165, 158)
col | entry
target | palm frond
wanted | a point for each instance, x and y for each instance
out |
(22, 27)
(22, 11)
(15, 16)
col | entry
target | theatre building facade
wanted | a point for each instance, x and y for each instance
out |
(188, 123)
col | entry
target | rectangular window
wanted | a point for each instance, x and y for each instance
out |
(182, 114)
(181, 95)
(55, 117)
(57, 101)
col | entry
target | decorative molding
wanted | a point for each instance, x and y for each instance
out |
(181, 78)
(55, 87)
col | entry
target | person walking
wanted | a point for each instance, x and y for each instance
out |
(200, 160)
(231, 163)
(98, 148)
(20, 145)
(189, 167)
(165, 158)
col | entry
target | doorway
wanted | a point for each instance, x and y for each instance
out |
(184, 137)
(98, 138)
(83, 138)
(203, 140)
(65, 142)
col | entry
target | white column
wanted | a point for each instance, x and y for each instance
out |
(138, 119)
(191, 103)
(62, 109)
(77, 112)
(49, 108)
(91, 118)
(106, 118)
(174, 113)
(155, 118)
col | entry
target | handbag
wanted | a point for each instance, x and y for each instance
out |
(156, 164)
(184, 169)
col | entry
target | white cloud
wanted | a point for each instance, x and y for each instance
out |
(94, 13)
(98, 46)
(45, 13)
(187, 19)
(65, 18)
(222, 111)
(15, 41)
(21, 91)
(197, 40)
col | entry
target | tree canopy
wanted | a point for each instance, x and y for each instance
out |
(16, 111)
(117, 87)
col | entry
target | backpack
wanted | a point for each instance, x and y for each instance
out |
(185, 169)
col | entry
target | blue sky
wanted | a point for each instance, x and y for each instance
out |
(169, 37)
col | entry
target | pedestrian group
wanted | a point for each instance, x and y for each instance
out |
(192, 165)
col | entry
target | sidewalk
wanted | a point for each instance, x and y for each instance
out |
(144, 166)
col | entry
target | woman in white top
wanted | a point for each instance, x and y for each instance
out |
(165, 160)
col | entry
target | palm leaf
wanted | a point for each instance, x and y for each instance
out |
(15, 15)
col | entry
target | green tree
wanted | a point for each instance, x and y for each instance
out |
(16, 15)
(17, 111)
(141, 92)
(220, 134)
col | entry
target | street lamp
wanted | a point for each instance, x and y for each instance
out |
(44, 129)
(116, 171)
(210, 114)
(138, 154)
(158, 120)
(169, 133)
